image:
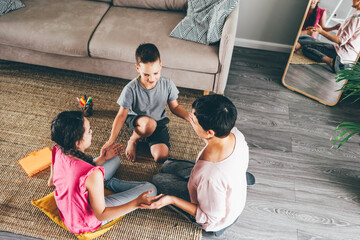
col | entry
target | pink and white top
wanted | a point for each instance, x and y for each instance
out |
(319, 14)
(349, 37)
(219, 189)
(71, 196)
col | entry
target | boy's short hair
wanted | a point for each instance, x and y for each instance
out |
(215, 112)
(147, 53)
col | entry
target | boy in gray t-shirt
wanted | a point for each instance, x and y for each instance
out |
(142, 106)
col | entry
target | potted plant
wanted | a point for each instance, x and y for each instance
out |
(352, 89)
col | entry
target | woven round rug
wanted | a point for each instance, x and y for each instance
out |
(31, 96)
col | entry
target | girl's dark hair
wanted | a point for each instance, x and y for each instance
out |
(215, 112)
(66, 129)
(312, 18)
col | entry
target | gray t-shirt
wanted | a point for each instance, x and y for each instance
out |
(151, 103)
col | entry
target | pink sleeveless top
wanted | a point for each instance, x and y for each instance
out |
(71, 196)
(319, 13)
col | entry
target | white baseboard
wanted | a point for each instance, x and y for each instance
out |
(277, 47)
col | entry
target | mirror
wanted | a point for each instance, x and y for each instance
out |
(311, 73)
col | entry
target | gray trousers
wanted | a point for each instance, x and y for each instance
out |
(316, 50)
(174, 178)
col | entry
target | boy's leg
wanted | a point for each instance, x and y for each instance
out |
(160, 152)
(141, 126)
(126, 191)
(159, 141)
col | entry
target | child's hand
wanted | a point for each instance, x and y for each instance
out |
(188, 118)
(113, 150)
(105, 147)
(192, 118)
(143, 198)
(163, 201)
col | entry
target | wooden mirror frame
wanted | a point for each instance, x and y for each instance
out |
(288, 63)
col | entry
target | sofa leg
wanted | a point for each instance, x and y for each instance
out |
(206, 93)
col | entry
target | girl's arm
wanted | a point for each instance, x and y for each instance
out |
(178, 202)
(95, 186)
(179, 111)
(50, 181)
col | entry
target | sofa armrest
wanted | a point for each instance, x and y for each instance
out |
(226, 50)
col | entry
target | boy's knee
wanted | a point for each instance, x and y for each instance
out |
(146, 126)
(160, 159)
(160, 152)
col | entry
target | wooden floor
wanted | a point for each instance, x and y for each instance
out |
(315, 80)
(304, 188)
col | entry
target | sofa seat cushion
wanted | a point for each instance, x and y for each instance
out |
(123, 29)
(52, 26)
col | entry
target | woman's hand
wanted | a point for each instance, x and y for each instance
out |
(162, 201)
(144, 200)
(316, 29)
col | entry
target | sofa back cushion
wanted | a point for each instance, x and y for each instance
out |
(176, 5)
(123, 29)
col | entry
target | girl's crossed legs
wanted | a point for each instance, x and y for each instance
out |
(124, 191)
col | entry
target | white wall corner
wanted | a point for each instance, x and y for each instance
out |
(248, 43)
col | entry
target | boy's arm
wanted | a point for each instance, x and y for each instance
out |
(179, 111)
(116, 127)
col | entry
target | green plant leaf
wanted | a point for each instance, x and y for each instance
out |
(346, 139)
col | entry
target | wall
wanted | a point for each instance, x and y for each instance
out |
(269, 24)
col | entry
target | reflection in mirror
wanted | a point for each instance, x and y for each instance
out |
(327, 42)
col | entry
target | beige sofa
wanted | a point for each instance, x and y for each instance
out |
(97, 37)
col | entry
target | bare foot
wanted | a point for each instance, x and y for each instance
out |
(130, 151)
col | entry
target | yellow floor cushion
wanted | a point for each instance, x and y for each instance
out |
(47, 204)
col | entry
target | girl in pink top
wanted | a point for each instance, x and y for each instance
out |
(346, 44)
(79, 180)
(315, 16)
(212, 191)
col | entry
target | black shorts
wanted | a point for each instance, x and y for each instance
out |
(160, 135)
